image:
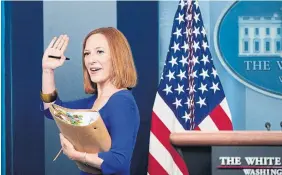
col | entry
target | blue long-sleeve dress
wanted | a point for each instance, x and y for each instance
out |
(121, 117)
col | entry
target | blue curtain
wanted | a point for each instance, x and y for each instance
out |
(22, 122)
(3, 136)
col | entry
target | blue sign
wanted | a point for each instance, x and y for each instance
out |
(248, 41)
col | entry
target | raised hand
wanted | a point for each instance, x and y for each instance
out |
(56, 47)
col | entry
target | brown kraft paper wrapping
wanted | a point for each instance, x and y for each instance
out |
(92, 138)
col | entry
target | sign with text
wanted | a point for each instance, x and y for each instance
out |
(247, 160)
(248, 42)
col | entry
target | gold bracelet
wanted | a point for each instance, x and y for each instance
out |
(85, 158)
(49, 98)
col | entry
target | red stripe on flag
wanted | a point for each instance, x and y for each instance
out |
(221, 119)
(197, 128)
(162, 134)
(154, 167)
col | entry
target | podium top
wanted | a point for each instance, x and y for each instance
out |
(217, 138)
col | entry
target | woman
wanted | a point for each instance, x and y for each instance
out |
(109, 74)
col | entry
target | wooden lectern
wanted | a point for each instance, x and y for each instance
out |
(196, 147)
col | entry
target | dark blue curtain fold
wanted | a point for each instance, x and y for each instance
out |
(3, 120)
(24, 124)
(138, 20)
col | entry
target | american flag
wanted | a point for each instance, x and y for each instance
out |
(189, 96)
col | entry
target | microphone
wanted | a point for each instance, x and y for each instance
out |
(267, 125)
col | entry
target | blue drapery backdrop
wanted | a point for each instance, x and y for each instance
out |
(24, 127)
